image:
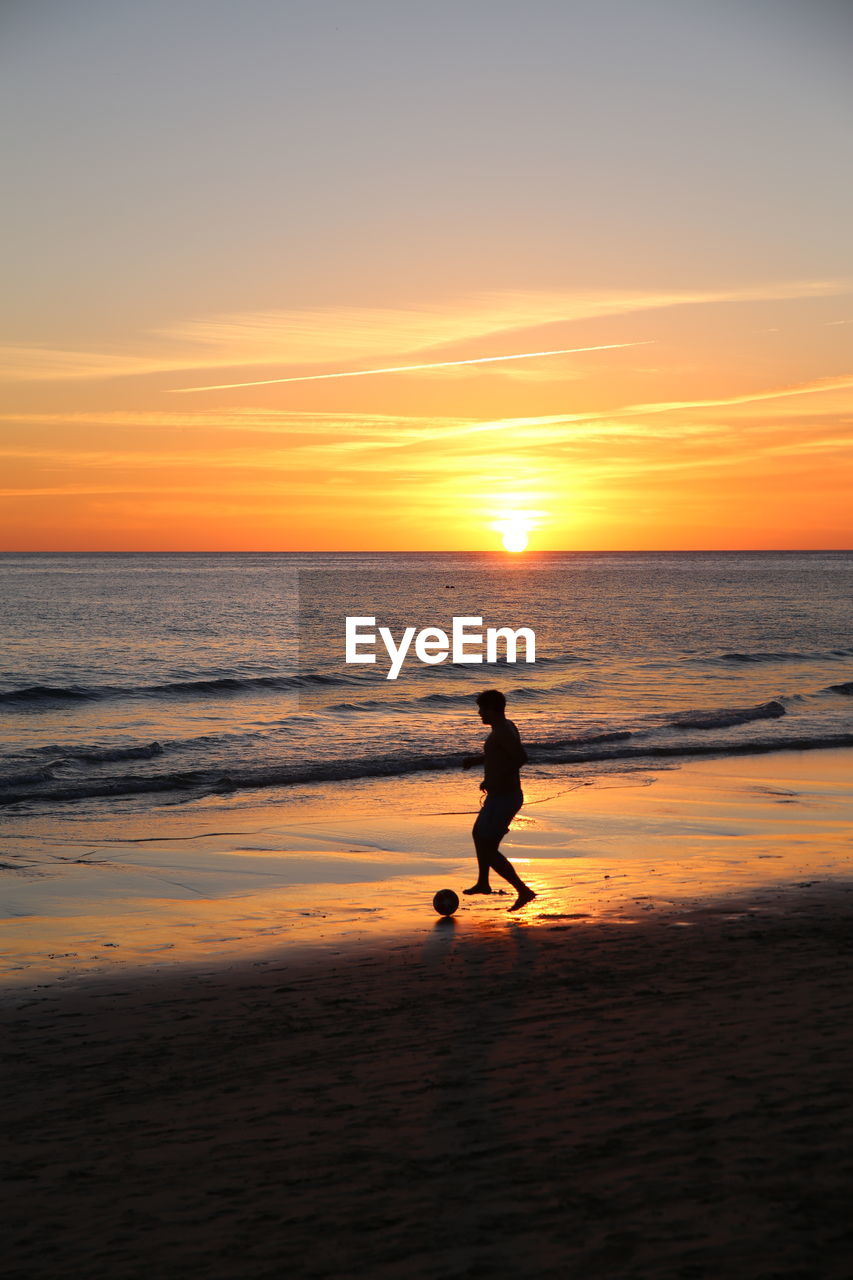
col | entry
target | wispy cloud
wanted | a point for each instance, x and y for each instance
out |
(55, 364)
(630, 419)
(343, 458)
(411, 368)
(348, 434)
(331, 335)
(774, 393)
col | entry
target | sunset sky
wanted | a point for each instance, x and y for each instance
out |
(200, 194)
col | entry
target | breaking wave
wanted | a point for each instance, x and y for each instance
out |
(40, 785)
(726, 717)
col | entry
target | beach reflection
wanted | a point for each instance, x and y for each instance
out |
(214, 883)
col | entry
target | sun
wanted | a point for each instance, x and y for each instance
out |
(514, 531)
(515, 539)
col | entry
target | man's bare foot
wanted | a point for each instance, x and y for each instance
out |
(525, 895)
(478, 888)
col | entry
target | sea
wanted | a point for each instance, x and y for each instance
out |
(140, 678)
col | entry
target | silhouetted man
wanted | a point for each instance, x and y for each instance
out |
(503, 755)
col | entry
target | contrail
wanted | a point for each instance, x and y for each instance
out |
(408, 368)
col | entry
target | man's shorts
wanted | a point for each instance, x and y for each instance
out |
(498, 811)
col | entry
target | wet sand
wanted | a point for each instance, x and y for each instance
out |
(649, 1079)
(357, 865)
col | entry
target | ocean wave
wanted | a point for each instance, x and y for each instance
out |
(26, 778)
(846, 688)
(778, 656)
(721, 747)
(464, 670)
(724, 718)
(35, 693)
(461, 700)
(34, 696)
(584, 741)
(101, 755)
(231, 684)
(763, 657)
(42, 787)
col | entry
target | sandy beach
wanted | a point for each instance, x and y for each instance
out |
(645, 1074)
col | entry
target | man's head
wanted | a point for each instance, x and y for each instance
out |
(492, 705)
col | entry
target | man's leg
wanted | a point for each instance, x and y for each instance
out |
(483, 854)
(500, 863)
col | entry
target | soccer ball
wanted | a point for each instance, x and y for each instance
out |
(445, 902)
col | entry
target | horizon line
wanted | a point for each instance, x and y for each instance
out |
(420, 551)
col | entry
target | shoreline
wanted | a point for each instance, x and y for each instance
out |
(577, 752)
(220, 881)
